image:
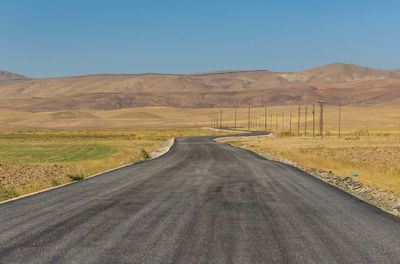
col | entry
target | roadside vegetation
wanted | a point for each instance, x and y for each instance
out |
(368, 155)
(34, 160)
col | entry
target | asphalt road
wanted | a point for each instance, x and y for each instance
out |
(203, 202)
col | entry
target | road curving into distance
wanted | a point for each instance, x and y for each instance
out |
(202, 202)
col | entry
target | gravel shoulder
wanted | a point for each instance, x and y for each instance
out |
(383, 199)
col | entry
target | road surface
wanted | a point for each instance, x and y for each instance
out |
(203, 202)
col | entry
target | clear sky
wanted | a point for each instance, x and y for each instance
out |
(47, 38)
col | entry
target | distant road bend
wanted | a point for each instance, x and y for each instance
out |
(202, 202)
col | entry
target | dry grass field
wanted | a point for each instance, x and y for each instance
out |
(34, 160)
(372, 154)
(369, 144)
(358, 117)
(43, 149)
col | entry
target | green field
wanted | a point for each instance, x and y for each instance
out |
(53, 153)
(34, 160)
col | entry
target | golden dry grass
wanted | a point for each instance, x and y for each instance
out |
(375, 158)
(366, 130)
(357, 117)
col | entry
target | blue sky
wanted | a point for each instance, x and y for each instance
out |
(47, 38)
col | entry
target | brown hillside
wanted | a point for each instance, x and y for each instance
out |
(346, 83)
(5, 75)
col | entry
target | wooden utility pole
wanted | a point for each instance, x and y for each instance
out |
(270, 120)
(321, 118)
(305, 122)
(283, 122)
(265, 116)
(220, 119)
(290, 123)
(276, 122)
(313, 120)
(298, 122)
(248, 119)
(235, 115)
(340, 118)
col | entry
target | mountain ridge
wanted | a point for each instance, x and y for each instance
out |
(6, 75)
(337, 83)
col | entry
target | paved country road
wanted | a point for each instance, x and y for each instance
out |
(202, 202)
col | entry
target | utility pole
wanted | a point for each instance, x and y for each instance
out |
(213, 114)
(283, 122)
(313, 120)
(287, 100)
(265, 116)
(270, 120)
(235, 114)
(220, 119)
(321, 117)
(290, 123)
(248, 119)
(276, 122)
(298, 122)
(340, 118)
(305, 122)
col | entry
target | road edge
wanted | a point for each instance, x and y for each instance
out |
(309, 171)
(164, 150)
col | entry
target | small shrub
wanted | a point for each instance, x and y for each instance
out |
(75, 177)
(362, 132)
(54, 182)
(144, 154)
(132, 159)
(7, 193)
(285, 134)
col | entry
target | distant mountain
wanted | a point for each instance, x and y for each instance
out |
(5, 75)
(337, 83)
(340, 73)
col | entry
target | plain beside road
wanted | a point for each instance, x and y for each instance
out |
(202, 202)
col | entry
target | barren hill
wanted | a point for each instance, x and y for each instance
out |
(340, 72)
(346, 83)
(5, 75)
